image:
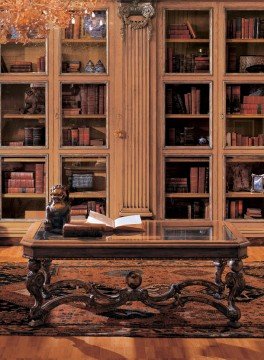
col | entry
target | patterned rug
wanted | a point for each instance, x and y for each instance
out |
(134, 320)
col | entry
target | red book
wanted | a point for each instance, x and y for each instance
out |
(101, 105)
(193, 96)
(13, 183)
(233, 209)
(21, 175)
(169, 60)
(251, 28)
(74, 137)
(201, 180)
(187, 105)
(194, 179)
(39, 176)
(81, 136)
(86, 136)
(76, 26)
(20, 190)
(177, 27)
(233, 139)
(198, 101)
(179, 32)
(172, 135)
(246, 28)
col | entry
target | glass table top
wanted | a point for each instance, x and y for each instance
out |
(158, 231)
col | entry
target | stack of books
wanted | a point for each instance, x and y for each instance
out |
(19, 182)
(21, 66)
(253, 213)
(71, 66)
(201, 64)
(178, 185)
(181, 31)
(252, 104)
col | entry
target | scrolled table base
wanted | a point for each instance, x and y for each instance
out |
(99, 301)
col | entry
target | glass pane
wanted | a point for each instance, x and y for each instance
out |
(86, 178)
(24, 58)
(23, 187)
(23, 114)
(83, 115)
(245, 115)
(244, 41)
(84, 44)
(187, 41)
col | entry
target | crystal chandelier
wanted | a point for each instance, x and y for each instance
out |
(22, 20)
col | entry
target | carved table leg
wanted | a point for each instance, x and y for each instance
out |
(235, 282)
(35, 281)
(46, 268)
(220, 267)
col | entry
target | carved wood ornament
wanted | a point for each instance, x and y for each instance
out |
(144, 10)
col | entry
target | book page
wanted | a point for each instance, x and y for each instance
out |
(128, 220)
(96, 218)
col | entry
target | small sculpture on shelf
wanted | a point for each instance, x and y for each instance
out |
(89, 67)
(34, 100)
(99, 67)
(58, 210)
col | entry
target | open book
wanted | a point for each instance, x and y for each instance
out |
(126, 223)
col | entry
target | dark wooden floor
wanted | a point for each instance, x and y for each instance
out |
(114, 348)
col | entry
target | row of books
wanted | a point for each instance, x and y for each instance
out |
(76, 136)
(187, 210)
(196, 182)
(25, 181)
(236, 210)
(90, 100)
(185, 138)
(73, 30)
(188, 103)
(181, 31)
(34, 136)
(180, 63)
(245, 28)
(236, 139)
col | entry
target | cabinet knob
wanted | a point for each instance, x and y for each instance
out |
(120, 134)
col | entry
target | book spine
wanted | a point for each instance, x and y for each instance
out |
(39, 176)
(21, 175)
(194, 179)
(201, 179)
(86, 136)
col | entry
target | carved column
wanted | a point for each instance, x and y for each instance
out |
(136, 107)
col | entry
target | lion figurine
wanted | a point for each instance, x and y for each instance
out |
(58, 210)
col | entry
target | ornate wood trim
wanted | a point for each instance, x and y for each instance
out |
(145, 10)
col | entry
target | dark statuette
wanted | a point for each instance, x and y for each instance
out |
(58, 210)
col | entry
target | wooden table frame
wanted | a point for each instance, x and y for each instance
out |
(41, 253)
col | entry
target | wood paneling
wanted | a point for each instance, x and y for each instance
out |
(136, 102)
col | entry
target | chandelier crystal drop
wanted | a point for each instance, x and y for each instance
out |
(22, 20)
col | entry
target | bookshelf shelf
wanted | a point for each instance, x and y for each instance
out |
(244, 195)
(30, 41)
(249, 41)
(88, 194)
(76, 117)
(242, 116)
(84, 41)
(197, 41)
(24, 196)
(187, 195)
(24, 116)
(187, 116)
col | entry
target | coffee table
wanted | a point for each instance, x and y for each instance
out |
(217, 241)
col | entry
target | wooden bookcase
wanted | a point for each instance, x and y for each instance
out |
(160, 142)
